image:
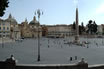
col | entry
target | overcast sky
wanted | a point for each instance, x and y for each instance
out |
(57, 11)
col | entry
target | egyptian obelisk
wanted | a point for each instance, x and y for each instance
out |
(77, 28)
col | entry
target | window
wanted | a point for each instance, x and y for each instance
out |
(3, 28)
(3, 35)
(7, 28)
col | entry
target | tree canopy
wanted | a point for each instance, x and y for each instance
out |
(81, 27)
(92, 27)
(3, 6)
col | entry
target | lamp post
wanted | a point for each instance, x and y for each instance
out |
(39, 13)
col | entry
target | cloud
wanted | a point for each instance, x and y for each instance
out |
(100, 9)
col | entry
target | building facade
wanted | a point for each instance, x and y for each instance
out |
(60, 31)
(4, 29)
(100, 29)
(35, 28)
(25, 29)
(9, 28)
(14, 29)
(31, 30)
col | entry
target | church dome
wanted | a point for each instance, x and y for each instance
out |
(34, 22)
(11, 19)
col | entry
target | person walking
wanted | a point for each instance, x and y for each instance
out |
(70, 58)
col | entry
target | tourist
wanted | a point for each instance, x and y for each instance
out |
(70, 58)
(87, 46)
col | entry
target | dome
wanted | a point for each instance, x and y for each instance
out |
(34, 22)
(11, 19)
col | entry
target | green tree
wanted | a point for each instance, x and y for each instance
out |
(3, 6)
(92, 27)
(73, 25)
(83, 28)
(89, 26)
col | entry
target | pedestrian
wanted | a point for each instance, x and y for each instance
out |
(70, 58)
(87, 46)
(48, 46)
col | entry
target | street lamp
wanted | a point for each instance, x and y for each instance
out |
(39, 13)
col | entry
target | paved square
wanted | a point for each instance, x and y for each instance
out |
(56, 52)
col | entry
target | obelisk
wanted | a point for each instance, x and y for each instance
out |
(76, 28)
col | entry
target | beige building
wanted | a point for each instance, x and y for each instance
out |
(100, 29)
(60, 30)
(14, 29)
(35, 28)
(31, 30)
(4, 29)
(25, 29)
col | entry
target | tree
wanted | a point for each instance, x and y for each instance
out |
(3, 6)
(92, 27)
(73, 25)
(81, 28)
(89, 26)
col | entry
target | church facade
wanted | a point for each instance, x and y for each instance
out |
(31, 30)
(9, 28)
(4, 29)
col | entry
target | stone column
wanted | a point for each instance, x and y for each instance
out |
(77, 28)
